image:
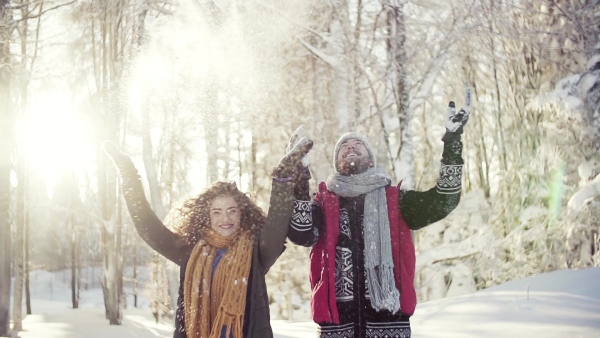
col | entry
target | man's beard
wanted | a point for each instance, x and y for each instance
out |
(349, 167)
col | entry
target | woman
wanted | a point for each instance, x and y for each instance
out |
(224, 245)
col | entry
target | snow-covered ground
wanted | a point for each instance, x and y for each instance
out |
(562, 304)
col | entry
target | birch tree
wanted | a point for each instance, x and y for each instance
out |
(399, 87)
(24, 68)
(6, 115)
(110, 46)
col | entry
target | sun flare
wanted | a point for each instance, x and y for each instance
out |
(56, 139)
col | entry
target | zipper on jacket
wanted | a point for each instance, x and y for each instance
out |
(362, 289)
(327, 258)
(361, 286)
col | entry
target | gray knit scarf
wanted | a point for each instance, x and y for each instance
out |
(378, 247)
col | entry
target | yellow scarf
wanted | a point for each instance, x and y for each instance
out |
(210, 306)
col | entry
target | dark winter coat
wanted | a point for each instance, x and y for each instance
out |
(268, 246)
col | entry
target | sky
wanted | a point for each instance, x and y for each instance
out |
(562, 303)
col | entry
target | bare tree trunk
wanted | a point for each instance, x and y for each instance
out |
(135, 267)
(19, 253)
(5, 236)
(19, 248)
(19, 258)
(110, 275)
(252, 165)
(6, 142)
(109, 280)
(500, 130)
(171, 269)
(121, 300)
(157, 204)
(342, 93)
(211, 135)
(356, 58)
(150, 167)
(397, 52)
(242, 163)
(109, 247)
(27, 265)
(226, 155)
(114, 27)
(335, 55)
(5, 242)
(74, 266)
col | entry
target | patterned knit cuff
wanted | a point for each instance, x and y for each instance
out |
(301, 216)
(452, 152)
(450, 179)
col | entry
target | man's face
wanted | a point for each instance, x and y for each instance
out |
(353, 157)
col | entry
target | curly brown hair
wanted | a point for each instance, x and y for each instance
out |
(192, 218)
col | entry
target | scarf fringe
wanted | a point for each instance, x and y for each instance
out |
(384, 296)
(233, 324)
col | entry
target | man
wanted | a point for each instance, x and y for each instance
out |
(362, 260)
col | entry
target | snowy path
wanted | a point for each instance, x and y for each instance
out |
(558, 304)
(90, 323)
(137, 323)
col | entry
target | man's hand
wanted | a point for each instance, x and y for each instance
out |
(456, 121)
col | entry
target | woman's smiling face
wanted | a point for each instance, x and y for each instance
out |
(225, 215)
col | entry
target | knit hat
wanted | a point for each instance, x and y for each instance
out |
(347, 136)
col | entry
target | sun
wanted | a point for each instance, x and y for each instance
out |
(55, 138)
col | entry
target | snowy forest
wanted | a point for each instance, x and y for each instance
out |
(198, 91)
